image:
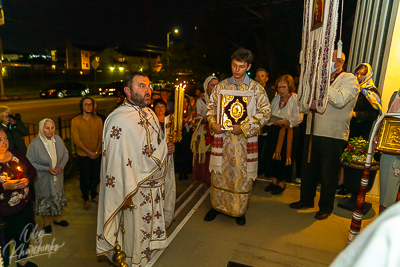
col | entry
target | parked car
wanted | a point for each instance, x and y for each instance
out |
(162, 86)
(114, 88)
(61, 90)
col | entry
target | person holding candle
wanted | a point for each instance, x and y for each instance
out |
(183, 156)
(16, 202)
(48, 155)
(234, 152)
(201, 139)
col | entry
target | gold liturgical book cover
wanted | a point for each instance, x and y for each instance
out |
(233, 110)
(389, 136)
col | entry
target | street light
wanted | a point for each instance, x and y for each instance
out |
(175, 31)
(112, 69)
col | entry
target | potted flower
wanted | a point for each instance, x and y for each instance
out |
(353, 162)
(355, 154)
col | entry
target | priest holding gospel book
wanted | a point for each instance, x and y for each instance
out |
(238, 108)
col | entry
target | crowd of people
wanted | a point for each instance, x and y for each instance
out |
(233, 130)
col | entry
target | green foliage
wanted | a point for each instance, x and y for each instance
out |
(356, 150)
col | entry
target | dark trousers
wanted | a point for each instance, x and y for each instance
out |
(325, 163)
(261, 156)
(90, 176)
(13, 233)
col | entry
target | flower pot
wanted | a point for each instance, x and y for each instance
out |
(352, 179)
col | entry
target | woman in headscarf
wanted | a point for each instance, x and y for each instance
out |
(202, 139)
(368, 106)
(48, 155)
(183, 155)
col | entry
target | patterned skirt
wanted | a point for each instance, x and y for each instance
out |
(51, 205)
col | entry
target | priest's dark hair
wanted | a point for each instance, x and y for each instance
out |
(242, 55)
(129, 78)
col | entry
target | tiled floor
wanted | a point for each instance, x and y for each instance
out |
(274, 235)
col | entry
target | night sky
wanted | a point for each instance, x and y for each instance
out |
(47, 24)
(270, 28)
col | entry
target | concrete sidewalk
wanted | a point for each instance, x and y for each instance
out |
(274, 235)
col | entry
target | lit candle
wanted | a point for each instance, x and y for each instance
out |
(180, 109)
(176, 108)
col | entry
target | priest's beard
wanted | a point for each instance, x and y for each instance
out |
(140, 100)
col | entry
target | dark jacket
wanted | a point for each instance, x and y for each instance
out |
(15, 134)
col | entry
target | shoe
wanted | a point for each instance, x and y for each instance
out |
(240, 220)
(27, 264)
(298, 180)
(185, 177)
(62, 223)
(211, 214)
(299, 205)
(278, 190)
(47, 229)
(95, 200)
(341, 190)
(86, 205)
(270, 187)
(321, 215)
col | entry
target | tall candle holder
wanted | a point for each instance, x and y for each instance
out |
(174, 126)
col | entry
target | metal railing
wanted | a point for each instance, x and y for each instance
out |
(63, 129)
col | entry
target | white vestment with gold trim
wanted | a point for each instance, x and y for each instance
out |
(135, 165)
(234, 158)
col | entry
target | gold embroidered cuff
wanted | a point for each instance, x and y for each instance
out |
(244, 131)
(258, 121)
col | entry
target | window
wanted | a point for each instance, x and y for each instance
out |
(86, 54)
(121, 59)
(87, 65)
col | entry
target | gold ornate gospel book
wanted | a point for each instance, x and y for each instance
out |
(233, 110)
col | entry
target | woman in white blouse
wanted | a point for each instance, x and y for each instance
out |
(282, 135)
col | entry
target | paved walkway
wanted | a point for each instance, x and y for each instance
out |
(274, 235)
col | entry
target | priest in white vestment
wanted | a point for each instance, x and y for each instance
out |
(137, 187)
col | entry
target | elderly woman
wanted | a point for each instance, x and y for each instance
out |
(282, 136)
(202, 139)
(16, 204)
(368, 106)
(48, 155)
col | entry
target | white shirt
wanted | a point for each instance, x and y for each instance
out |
(335, 121)
(290, 112)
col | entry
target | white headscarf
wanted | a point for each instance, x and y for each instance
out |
(205, 85)
(49, 144)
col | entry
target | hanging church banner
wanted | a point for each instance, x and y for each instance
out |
(319, 32)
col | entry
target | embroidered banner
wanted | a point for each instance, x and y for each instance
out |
(319, 32)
